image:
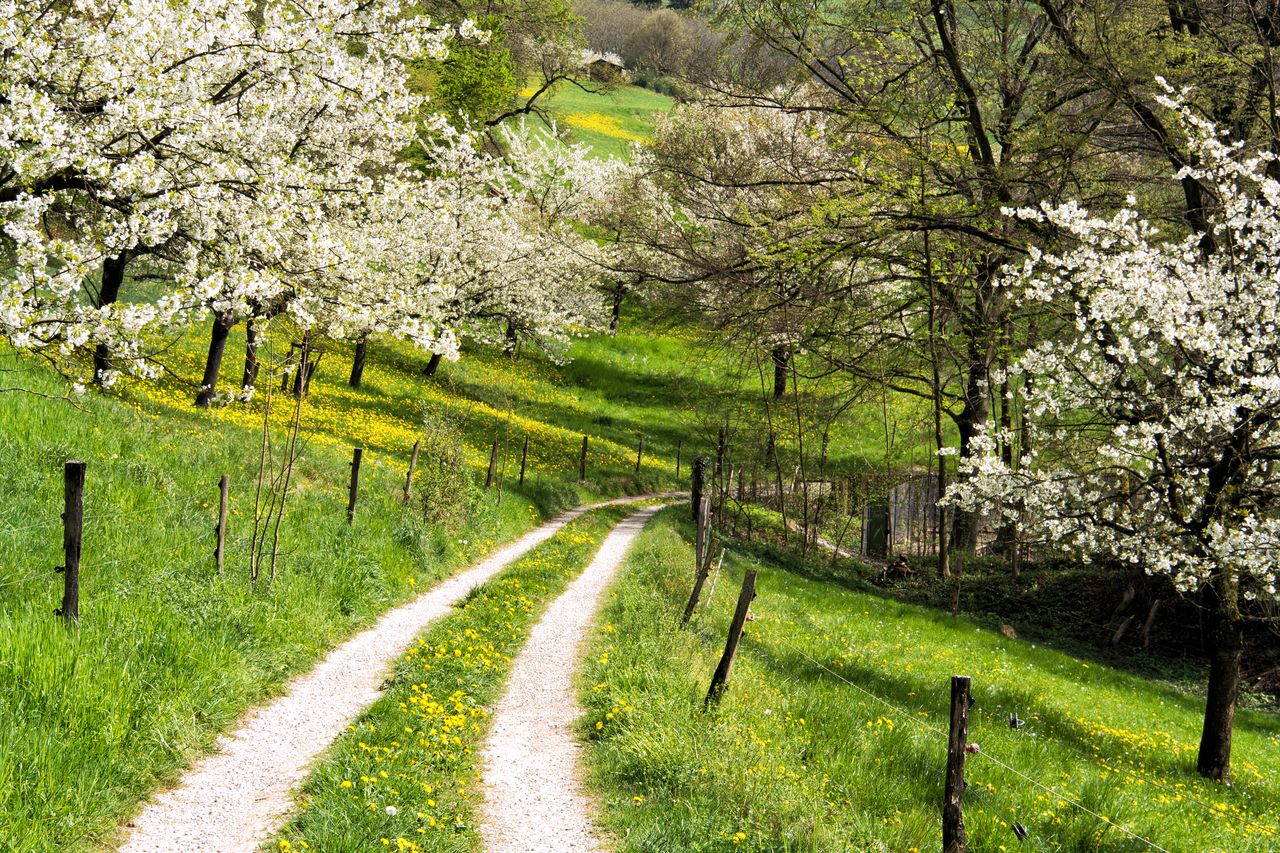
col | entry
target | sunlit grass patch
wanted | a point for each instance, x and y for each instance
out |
(799, 757)
(602, 124)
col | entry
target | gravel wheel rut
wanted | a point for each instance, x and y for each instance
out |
(534, 800)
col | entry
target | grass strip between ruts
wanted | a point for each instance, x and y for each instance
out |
(403, 775)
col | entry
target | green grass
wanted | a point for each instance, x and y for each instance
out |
(798, 757)
(167, 653)
(403, 774)
(609, 121)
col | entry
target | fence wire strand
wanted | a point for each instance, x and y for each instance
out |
(90, 518)
(27, 579)
(185, 543)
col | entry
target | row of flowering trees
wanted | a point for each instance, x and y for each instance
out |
(252, 153)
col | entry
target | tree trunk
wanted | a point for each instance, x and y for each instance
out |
(112, 279)
(510, 341)
(940, 510)
(619, 291)
(432, 365)
(1225, 647)
(1005, 538)
(781, 357)
(250, 377)
(222, 323)
(964, 523)
(357, 363)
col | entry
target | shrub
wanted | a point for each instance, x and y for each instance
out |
(444, 488)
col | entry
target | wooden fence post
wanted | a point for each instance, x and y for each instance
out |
(524, 455)
(700, 578)
(639, 453)
(699, 484)
(702, 531)
(493, 460)
(72, 528)
(224, 493)
(953, 837)
(679, 447)
(582, 461)
(413, 464)
(721, 677)
(354, 490)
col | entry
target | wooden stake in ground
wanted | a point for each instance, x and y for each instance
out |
(354, 489)
(224, 493)
(703, 530)
(699, 484)
(72, 528)
(953, 837)
(582, 461)
(524, 456)
(721, 677)
(639, 453)
(700, 578)
(679, 447)
(413, 464)
(493, 461)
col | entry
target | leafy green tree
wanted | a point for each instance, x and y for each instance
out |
(478, 81)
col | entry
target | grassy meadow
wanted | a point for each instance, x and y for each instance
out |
(832, 734)
(168, 653)
(610, 121)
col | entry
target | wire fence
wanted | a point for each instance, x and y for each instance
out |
(906, 715)
(925, 725)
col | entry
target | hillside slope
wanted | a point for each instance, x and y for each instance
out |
(610, 120)
(168, 652)
(833, 732)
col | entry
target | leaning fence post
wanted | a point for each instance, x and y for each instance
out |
(354, 490)
(72, 528)
(413, 463)
(639, 453)
(524, 455)
(582, 461)
(953, 837)
(224, 492)
(679, 447)
(700, 578)
(493, 460)
(721, 677)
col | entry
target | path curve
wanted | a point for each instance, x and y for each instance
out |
(233, 799)
(533, 795)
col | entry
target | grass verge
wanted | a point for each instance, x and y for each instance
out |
(798, 757)
(404, 775)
